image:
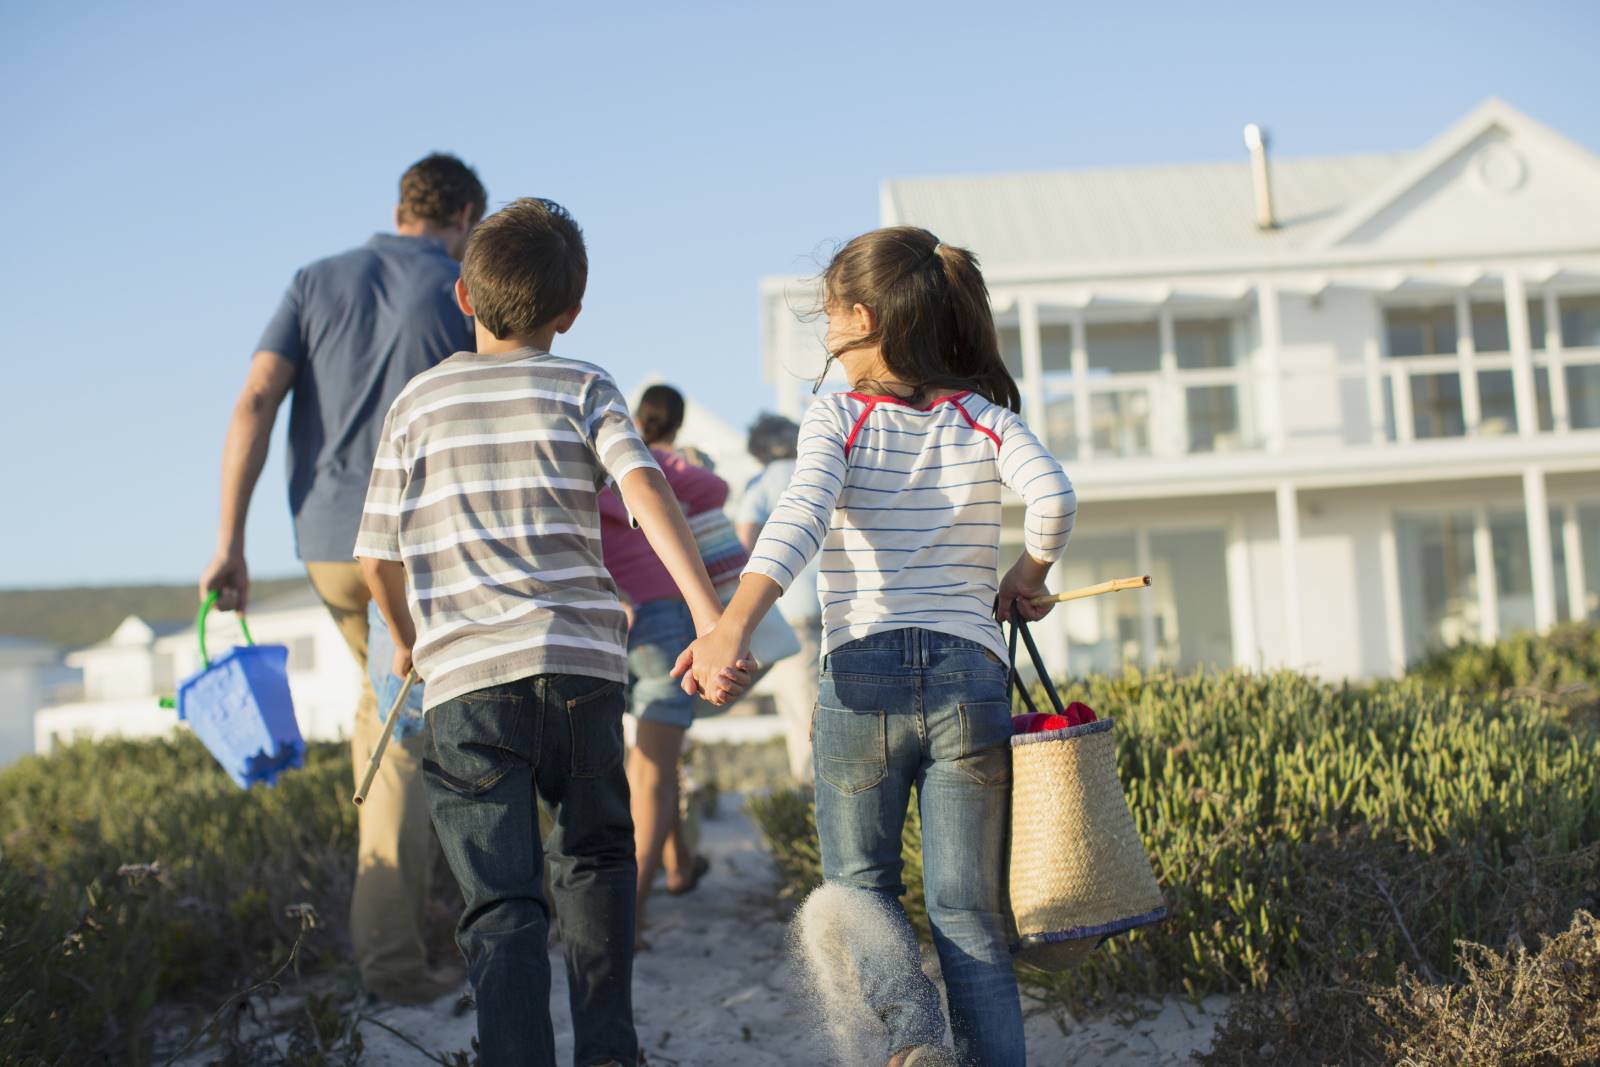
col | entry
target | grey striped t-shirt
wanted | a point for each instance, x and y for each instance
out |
(484, 487)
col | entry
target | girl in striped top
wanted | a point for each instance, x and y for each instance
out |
(898, 487)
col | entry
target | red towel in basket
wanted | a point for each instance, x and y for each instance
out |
(1038, 722)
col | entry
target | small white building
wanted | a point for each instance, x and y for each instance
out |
(126, 675)
(31, 676)
(1343, 417)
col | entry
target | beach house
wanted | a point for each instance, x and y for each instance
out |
(1344, 410)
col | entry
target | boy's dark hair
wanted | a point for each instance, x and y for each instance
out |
(773, 437)
(436, 188)
(659, 414)
(525, 265)
(934, 326)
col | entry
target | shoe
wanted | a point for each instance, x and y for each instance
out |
(930, 1056)
(437, 983)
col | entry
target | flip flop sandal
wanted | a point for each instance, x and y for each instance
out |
(696, 872)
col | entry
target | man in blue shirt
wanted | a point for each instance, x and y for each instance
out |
(352, 330)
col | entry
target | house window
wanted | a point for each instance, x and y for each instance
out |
(1513, 571)
(1436, 405)
(1580, 321)
(1187, 603)
(1438, 581)
(1427, 331)
(1011, 350)
(1213, 412)
(1124, 347)
(1103, 631)
(1204, 344)
(1055, 358)
(1490, 333)
(1497, 403)
(1055, 347)
(1190, 598)
(1589, 544)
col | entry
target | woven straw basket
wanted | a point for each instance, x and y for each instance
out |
(1078, 871)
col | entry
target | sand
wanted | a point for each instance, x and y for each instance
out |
(720, 988)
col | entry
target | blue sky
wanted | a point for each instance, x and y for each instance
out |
(168, 166)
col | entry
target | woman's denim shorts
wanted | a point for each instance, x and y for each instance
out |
(661, 630)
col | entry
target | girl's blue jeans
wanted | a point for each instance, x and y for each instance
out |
(917, 707)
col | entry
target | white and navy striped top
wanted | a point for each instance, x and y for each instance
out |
(904, 505)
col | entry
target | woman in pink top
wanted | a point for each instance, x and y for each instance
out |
(662, 627)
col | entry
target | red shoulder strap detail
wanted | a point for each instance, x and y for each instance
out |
(990, 434)
(849, 442)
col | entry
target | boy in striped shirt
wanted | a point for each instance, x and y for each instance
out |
(481, 543)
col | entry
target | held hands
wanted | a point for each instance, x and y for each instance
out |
(1021, 583)
(715, 668)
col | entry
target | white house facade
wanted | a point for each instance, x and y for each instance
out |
(32, 675)
(1343, 415)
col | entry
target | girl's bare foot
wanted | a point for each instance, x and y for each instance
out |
(923, 1056)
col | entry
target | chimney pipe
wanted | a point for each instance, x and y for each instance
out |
(1255, 139)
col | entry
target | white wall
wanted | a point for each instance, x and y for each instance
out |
(1322, 334)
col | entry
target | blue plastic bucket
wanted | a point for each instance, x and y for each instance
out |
(240, 709)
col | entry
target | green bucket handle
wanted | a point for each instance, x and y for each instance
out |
(200, 628)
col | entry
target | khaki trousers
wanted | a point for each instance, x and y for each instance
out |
(794, 685)
(396, 841)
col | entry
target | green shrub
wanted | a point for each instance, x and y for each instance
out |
(1307, 832)
(1519, 1008)
(1560, 668)
(208, 876)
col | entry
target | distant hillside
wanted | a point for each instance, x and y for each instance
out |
(81, 616)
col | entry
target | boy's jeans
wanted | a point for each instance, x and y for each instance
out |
(490, 752)
(918, 707)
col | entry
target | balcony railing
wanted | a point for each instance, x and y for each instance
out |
(1374, 402)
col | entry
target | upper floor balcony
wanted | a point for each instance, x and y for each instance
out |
(1279, 376)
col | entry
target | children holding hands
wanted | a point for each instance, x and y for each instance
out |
(481, 543)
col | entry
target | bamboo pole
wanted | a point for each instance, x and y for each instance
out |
(1115, 585)
(383, 740)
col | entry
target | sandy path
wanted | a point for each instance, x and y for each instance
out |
(716, 989)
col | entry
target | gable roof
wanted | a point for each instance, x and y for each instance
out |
(1487, 117)
(1125, 215)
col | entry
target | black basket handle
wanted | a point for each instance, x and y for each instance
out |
(1018, 626)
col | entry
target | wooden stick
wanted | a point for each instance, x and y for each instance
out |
(1115, 585)
(383, 740)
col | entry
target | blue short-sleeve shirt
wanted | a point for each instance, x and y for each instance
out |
(357, 326)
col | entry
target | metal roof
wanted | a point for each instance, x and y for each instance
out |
(1126, 215)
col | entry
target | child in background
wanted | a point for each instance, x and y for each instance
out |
(897, 484)
(481, 543)
(662, 625)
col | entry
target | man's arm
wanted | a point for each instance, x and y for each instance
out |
(386, 579)
(243, 453)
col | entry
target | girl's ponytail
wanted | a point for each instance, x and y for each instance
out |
(934, 326)
(975, 345)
